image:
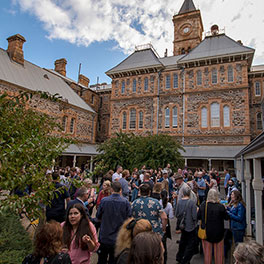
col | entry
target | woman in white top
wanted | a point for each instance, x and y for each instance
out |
(213, 182)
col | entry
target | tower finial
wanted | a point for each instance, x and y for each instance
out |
(187, 6)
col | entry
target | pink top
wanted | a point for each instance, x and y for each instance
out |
(79, 256)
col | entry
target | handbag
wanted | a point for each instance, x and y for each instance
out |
(202, 231)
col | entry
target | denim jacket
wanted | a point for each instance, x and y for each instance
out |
(238, 217)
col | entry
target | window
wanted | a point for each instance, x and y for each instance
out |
(214, 76)
(230, 74)
(204, 117)
(226, 116)
(146, 84)
(168, 81)
(259, 121)
(174, 117)
(199, 78)
(64, 123)
(132, 119)
(134, 88)
(167, 117)
(257, 89)
(124, 125)
(215, 115)
(72, 125)
(123, 87)
(175, 80)
(92, 99)
(140, 120)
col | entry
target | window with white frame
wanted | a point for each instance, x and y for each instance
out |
(124, 123)
(123, 87)
(64, 123)
(72, 125)
(168, 81)
(140, 119)
(259, 121)
(199, 77)
(230, 74)
(257, 89)
(204, 117)
(132, 119)
(146, 84)
(215, 115)
(175, 80)
(214, 75)
(167, 117)
(226, 116)
(134, 88)
(174, 116)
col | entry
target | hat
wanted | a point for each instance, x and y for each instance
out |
(178, 176)
(165, 172)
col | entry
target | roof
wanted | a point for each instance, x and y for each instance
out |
(139, 59)
(187, 6)
(257, 68)
(172, 60)
(216, 46)
(34, 78)
(211, 152)
(81, 149)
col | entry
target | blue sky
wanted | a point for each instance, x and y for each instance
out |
(101, 33)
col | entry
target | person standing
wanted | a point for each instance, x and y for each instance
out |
(118, 174)
(227, 178)
(201, 187)
(112, 211)
(124, 183)
(169, 180)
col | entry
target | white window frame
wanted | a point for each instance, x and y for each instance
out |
(214, 76)
(204, 121)
(257, 88)
(168, 79)
(167, 117)
(64, 123)
(230, 73)
(140, 119)
(174, 117)
(259, 121)
(132, 118)
(215, 114)
(124, 121)
(175, 80)
(134, 86)
(123, 87)
(199, 80)
(72, 125)
(226, 115)
(145, 84)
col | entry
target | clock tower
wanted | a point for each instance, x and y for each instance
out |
(188, 28)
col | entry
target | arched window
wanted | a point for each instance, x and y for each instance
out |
(134, 89)
(140, 119)
(226, 116)
(204, 117)
(230, 74)
(259, 121)
(257, 89)
(123, 87)
(72, 125)
(214, 76)
(199, 77)
(64, 123)
(167, 117)
(168, 81)
(132, 119)
(124, 124)
(174, 116)
(175, 80)
(215, 115)
(146, 84)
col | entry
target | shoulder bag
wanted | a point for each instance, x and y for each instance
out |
(202, 231)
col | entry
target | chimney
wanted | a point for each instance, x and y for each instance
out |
(214, 30)
(83, 80)
(15, 48)
(240, 42)
(166, 53)
(60, 66)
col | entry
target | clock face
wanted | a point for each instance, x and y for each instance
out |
(186, 30)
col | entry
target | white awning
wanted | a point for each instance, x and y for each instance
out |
(81, 150)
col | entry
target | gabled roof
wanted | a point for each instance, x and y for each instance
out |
(172, 60)
(187, 6)
(139, 59)
(34, 78)
(216, 46)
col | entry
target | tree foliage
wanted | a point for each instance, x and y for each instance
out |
(28, 146)
(132, 151)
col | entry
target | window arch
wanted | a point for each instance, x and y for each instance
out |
(168, 81)
(72, 125)
(199, 77)
(174, 116)
(259, 121)
(140, 119)
(204, 117)
(132, 119)
(226, 116)
(230, 74)
(175, 80)
(134, 88)
(214, 75)
(215, 115)
(123, 87)
(167, 117)
(64, 123)
(146, 84)
(257, 89)
(124, 120)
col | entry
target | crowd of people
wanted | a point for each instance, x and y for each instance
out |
(129, 220)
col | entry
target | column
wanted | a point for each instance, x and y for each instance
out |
(74, 161)
(248, 196)
(258, 187)
(91, 164)
(185, 162)
(210, 164)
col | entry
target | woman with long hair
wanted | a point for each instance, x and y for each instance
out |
(213, 182)
(130, 228)
(135, 183)
(48, 246)
(237, 212)
(106, 191)
(79, 235)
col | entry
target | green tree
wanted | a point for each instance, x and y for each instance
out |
(132, 151)
(28, 146)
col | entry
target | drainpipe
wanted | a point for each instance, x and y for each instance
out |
(183, 102)
(243, 184)
(159, 73)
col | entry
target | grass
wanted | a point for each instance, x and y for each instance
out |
(15, 243)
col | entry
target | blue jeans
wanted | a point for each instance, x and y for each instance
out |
(238, 235)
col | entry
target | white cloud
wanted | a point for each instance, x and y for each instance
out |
(135, 22)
